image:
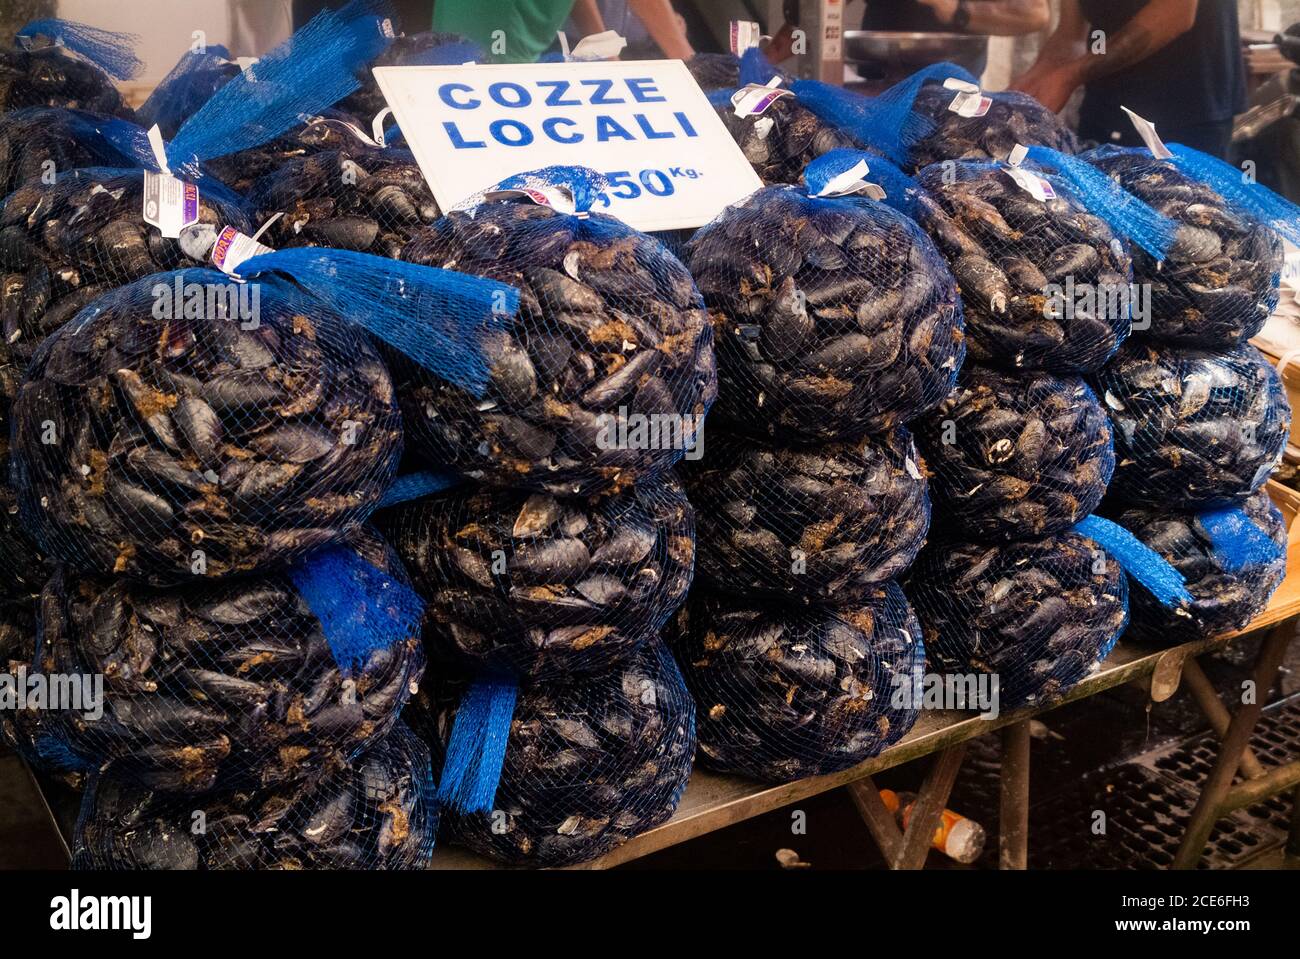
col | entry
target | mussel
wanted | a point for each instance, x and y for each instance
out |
(603, 378)
(783, 139)
(1193, 428)
(1219, 282)
(1226, 595)
(377, 811)
(1016, 456)
(168, 446)
(541, 587)
(203, 681)
(1036, 615)
(784, 693)
(832, 318)
(1045, 284)
(825, 524)
(589, 763)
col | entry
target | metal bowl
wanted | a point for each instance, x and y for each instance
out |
(892, 53)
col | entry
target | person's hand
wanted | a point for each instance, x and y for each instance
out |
(944, 10)
(1050, 86)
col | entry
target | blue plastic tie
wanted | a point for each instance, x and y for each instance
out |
(1137, 559)
(438, 318)
(361, 608)
(584, 183)
(109, 51)
(755, 67)
(413, 486)
(476, 750)
(1101, 196)
(1237, 541)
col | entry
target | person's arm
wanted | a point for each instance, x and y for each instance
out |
(1059, 71)
(999, 18)
(664, 26)
(586, 17)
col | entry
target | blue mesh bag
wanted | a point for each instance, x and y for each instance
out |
(194, 424)
(542, 588)
(1036, 615)
(783, 693)
(778, 135)
(1218, 282)
(428, 48)
(1193, 428)
(42, 141)
(357, 197)
(64, 244)
(586, 764)
(1232, 558)
(1042, 256)
(833, 316)
(820, 524)
(726, 71)
(60, 63)
(191, 83)
(604, 377)
(377, 811)
(266, 678)
(1016, 456)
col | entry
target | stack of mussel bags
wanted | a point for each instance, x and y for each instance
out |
(185, 520)
(1199, 416)
(1018, 580)
(560, 723)
(836, 323)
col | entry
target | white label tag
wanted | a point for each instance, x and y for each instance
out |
(1032, 184)
(644, 124)
(170, 204)
(1017, 155)
(386, 28)
(377, 126)
(233, 248)
(744, 34)
(850, 182)
(598, 46)
(969, 101)
(556, 197)
(763, 126)
(754, 99)
(159, 148)
(1147, 131)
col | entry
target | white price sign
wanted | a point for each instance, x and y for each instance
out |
(645, 125)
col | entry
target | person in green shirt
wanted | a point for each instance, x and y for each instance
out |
(511, 31)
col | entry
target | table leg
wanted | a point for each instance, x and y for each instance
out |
(929, 808)
(1013, 816)
(880, 821)
(1234, 742)
(1207, 698)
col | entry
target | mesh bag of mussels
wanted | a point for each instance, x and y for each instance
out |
(783, 693)
(59, 63)
(353, 198)
(376, 812)
(63, 245)
(833, 316)
(542, 588)
(40, 141)
(1232, 559)
(1218, 283)
(1015, 456)
(266, 677)
(588, 763)
(825, 524)
(161, 444)
(1193, 428)
(1041, 253)
(611, 341)
(1035, 614)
